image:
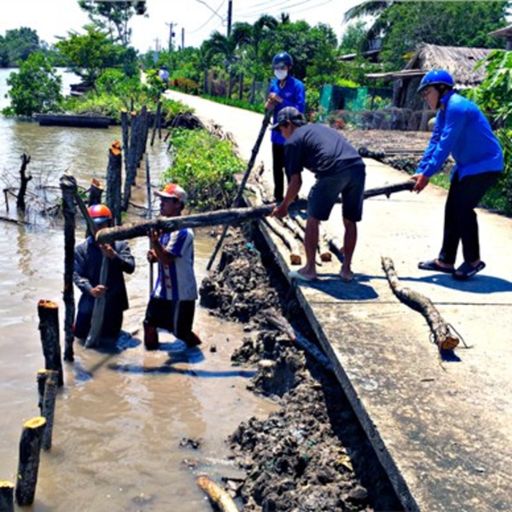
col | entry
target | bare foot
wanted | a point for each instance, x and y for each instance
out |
(346, 276)
(308, 274)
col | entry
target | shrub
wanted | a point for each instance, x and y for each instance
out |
(35, 88)
(186, 85)
(204, 166)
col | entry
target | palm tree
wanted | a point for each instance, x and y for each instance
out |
(374, 8)
(261, 30)
(228, 46)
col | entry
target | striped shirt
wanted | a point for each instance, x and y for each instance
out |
(177, 281)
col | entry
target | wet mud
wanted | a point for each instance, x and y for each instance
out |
(311, 454)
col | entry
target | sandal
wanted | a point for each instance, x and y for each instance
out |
(466, 270)
(433, 266)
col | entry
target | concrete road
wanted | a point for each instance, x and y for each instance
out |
(442, 428)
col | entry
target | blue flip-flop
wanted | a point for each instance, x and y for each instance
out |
(466, 270)
(433, 266)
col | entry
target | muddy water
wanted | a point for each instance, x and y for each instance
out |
(121, 416)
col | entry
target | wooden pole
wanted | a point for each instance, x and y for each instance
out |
(241, 187)
(95, 192)
(149, 215)
(6, 496)
(41, 381)
(126, 140)
(69, 189)
(20, 202)
(28, 463)
(216, 494)
(50, 395)
(443, 336)
(131, 162)
(98, 311)
(156, 123)
(144, 132)
(289, 242)
(231, 216)
(387, 190)
(115, 161)
(48, 312)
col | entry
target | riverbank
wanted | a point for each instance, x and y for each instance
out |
(311, 454)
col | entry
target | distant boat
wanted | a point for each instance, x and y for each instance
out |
(79, 121)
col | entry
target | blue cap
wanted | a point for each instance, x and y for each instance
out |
(282, 58)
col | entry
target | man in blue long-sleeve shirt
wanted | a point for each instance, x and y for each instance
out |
(284, 91)
(464, 132)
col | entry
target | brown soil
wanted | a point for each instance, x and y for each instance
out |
(311, 455)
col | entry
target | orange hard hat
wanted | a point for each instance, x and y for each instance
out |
(99, 213)
(172, 190)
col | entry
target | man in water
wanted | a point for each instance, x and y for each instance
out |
(172, 302)
(86, 276)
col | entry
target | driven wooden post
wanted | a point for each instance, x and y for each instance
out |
(69, 189)
(126, 139)
(48, 312)
(50, 395)
(6, 496)
(115, 160)
(156, 123)
(144, 133)
(20, 201)
(131, 162)
(28, 464)
(41, 381)
(95, 192)
(241, 188)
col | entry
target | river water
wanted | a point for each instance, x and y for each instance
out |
(120, 417)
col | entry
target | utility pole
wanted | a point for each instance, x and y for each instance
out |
(172, 24)
(230, 16)
(183, 38)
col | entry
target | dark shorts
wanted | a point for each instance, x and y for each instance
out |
(174, 316)
(349, 183)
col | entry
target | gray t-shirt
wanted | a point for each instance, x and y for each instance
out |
(320, 149)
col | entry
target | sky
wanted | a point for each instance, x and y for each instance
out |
(199, 18)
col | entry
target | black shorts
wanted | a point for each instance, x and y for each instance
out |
(176, 316)
(324, 193)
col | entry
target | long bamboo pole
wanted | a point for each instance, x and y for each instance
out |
(149, 215)
(241, 188)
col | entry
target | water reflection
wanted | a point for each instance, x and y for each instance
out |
(117, 429)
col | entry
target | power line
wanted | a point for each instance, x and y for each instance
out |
(253, 11)
(215, 13)
(209, 19)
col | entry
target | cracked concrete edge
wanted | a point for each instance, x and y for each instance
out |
(395, 476)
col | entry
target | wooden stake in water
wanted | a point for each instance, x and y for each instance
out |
(6, 496)
(50, 395)
(28, 464)
(149, 215)
(48, 312)
(69, 189)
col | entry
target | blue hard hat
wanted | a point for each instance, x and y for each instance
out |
(436, 77)
(282, 58)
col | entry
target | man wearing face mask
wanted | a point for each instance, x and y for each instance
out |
(284, 91)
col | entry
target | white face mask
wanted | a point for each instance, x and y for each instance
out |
(280, 74)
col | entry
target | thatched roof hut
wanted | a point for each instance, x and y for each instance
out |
(459, 61)
(506, 33)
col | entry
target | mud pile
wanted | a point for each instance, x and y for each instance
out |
(311, 455)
